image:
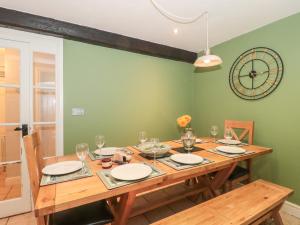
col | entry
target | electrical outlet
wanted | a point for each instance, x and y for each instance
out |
(78, 111)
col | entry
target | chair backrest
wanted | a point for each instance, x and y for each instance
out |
(38, 153)
(247, 128)
(33, 165)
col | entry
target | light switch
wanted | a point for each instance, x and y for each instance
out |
(78, 111)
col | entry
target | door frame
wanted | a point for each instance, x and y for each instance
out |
(34, 42)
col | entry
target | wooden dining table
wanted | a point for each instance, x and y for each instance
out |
(57, 197)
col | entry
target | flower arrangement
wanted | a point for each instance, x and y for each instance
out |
(184, 121)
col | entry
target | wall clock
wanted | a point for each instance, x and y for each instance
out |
(256, 73)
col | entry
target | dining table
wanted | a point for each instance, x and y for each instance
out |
(123, 200)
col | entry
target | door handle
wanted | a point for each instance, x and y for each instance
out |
(24, 129)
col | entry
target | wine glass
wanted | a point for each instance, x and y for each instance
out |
(81, 151)
(142, 135)
(214, 131)
(228, 134)
(155, 147)
(100, 141)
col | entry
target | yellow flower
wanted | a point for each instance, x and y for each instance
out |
(184, 120)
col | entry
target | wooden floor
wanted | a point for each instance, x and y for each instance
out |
(145, 219)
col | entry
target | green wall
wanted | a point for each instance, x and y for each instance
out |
(122, 93)
(276, 116)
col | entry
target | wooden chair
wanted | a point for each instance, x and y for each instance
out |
(240, 174)
(94, 213)
(236, 207)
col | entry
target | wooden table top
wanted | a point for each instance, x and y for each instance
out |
(58, 197)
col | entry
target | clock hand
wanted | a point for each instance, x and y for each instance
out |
(261, 73)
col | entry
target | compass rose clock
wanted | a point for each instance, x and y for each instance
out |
(256, 73)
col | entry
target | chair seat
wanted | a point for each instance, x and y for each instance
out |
(238, 172)
(96, 213)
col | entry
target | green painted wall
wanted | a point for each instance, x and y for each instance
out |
(122, 93)
(276, 116)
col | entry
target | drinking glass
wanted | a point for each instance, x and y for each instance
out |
(155, 148)
(81, 151)
(189, 142)
(100, 141)
(142, 135)
(228, 134)
(214, 131)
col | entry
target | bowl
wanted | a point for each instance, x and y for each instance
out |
(146, 149)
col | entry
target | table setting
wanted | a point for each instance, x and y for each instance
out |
(67, 170)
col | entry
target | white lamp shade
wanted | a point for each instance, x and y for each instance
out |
(208, 61)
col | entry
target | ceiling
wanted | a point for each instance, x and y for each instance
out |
(139, 18)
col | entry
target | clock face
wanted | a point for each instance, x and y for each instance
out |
(256, 73)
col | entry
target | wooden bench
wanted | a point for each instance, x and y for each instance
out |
(251, 204)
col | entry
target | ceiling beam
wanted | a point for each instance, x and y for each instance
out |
(48, 26)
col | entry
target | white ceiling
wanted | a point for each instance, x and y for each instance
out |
(139, 19)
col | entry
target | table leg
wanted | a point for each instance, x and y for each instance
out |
(276, 216)
(124, 209)
(221, 177)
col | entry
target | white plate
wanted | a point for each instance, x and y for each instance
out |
(61, 168)
(229, 142)
(231, 149)
(106, 151)
(131, 171)
(187, 158)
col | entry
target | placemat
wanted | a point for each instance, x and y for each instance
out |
(47, 179)
(112, 183)
(94, 156)
(182, 149)
(213, 150)
(179, 166)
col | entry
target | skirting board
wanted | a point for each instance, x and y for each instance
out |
(291, 209)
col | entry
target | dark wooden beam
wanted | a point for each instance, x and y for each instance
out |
(33, 23)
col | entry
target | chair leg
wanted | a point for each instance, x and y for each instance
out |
(249, 167)
(41, 221)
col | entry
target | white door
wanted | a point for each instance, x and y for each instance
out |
(14, 185)
(30, 98)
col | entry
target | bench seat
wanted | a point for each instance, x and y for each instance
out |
(250, 204)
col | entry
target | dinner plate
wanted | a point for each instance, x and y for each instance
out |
(107, 151)
(229, 142)
(61, 168)
(185, 158)
(231, 149)
(131, 171)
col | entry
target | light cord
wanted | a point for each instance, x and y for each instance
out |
(174, 18)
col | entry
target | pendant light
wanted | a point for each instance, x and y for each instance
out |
(207, 60)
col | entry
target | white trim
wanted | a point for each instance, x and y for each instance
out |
(44, 87)
(291, 209)
(9, 85)
(44, 123)
(10, 162)
(60, 97)
(10, 124)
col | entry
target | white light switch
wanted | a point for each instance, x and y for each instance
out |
(78, 111)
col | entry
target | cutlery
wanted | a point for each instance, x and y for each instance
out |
(111, 179)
